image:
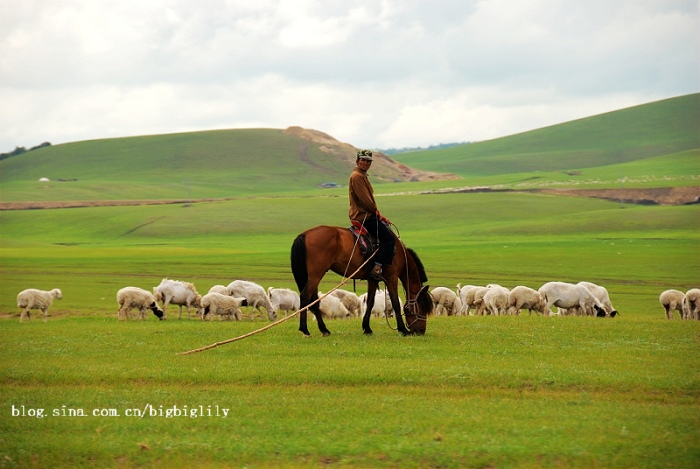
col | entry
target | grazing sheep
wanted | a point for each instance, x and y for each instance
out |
(478, 299)
(283, 299)
(223, 305)
(218, 289)
(672, 300)
(332, 308)
(178, 293)
(525, 297)
(447, 300)
(601, 293)
(350, 300)
(382, 304)
(255, 295)
(36, 299)
(691, 304)
(135, 297)
(496, 300)
(466, 296)
(567, 295)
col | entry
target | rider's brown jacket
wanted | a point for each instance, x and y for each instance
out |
(362, 204)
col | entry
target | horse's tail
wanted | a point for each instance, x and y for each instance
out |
(301, 275)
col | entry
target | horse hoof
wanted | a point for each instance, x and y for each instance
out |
(368, 332)
(326, 334)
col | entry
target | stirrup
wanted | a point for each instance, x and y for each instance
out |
(376, 276)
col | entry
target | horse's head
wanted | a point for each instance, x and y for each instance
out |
(417, 310)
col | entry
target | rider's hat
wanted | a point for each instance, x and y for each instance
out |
(364, 155)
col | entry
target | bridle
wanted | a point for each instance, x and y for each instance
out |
(412, 305)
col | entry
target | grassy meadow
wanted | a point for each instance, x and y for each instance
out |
(522, 391)
(85, 390)
(474, 392)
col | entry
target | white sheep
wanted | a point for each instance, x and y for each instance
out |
(135, 297)
(350, 300)
(382, 304)
(477, 299)
(223, 305)
(255, 295)
(601, 293)
(218, 289)
(332, 308)
(672, 300)
(283, 299)
(466, 296)
(567, 295)
(36, 299)
(691, 304)
(447, 300)
(178, 293)
(496, 300)
(525, 297)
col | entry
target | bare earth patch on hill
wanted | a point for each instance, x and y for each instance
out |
(652, 196)
(384, 167)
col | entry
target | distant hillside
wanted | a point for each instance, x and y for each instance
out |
(439, 146)
(650, 130)
(659, 140)
(207, 164)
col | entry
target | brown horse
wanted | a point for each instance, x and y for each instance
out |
(324, 248)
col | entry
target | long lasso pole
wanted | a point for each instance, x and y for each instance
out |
(279, 321)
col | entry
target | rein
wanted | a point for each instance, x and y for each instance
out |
(279, 321)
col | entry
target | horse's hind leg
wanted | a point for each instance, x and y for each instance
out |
(302, 322)
(303, 328)
(308, 296)
(319, 318)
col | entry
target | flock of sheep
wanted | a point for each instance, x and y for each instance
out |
(583, 298)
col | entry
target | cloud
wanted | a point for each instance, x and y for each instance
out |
(375, 74)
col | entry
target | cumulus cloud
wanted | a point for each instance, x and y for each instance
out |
(374, 74)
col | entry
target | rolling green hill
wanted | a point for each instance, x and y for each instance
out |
(643, 141)
(195, 165)
(199, 164)
(647, 131)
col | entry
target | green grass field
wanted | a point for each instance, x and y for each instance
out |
(482, 392)
(474, 392)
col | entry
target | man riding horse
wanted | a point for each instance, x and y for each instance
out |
(332, 248)
(363, 209)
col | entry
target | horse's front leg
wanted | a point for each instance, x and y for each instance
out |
(371, 292)
(396, 305)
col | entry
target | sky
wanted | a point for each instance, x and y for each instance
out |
(375, 74)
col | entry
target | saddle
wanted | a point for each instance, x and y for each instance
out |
(367, 242)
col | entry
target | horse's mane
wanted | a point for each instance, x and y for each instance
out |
(419, 264)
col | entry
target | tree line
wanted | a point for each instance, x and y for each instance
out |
(21, 150)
